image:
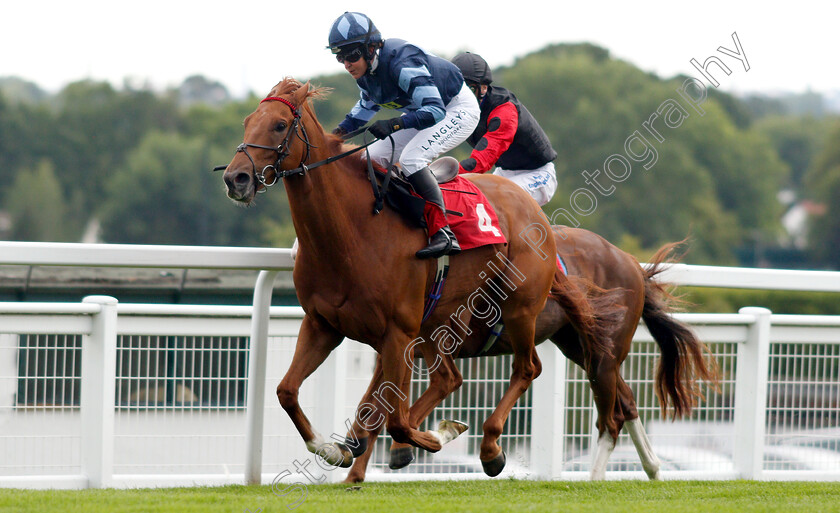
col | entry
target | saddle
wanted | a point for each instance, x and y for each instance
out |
(398, 193)
(445, 169)
(471, 217)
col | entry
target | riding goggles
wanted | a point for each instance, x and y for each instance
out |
(351, 56)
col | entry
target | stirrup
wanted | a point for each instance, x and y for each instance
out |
(439, 245)
(456, 248)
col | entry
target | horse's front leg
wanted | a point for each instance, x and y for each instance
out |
(316, 341)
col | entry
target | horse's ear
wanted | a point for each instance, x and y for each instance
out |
(301, 93)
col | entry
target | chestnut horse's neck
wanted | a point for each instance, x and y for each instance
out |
(331, 205)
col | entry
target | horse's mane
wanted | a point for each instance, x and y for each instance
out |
(289, 85)
(335, 143)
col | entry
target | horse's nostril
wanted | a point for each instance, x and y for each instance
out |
(237, 180)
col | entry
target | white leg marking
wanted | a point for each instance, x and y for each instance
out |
(650, 462)
(313, 445)
(448, 430)
(329, 451)
(606, 444)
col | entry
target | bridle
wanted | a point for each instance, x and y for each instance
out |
(298, 130)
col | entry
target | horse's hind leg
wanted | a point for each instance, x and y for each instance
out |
(633, 426)
(603, 377)
(602, 372)
(395, 352)
(357, 438)
(367, 424)
(360, 463)
(444, 378)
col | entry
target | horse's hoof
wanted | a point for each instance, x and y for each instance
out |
(353, 479)
(335, 454)
(401, 457)
(495, 466)
(358, 448)
(346, 456)
(451, 429)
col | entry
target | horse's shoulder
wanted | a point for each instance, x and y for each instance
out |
(479, 179)
(488, 182)
(490, 185)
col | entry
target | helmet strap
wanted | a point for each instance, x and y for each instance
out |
(367, 40)
(372, 58)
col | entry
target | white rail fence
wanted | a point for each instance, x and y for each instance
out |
(103, 394)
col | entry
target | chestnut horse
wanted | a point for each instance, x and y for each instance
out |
(590, 260)
(356, 275)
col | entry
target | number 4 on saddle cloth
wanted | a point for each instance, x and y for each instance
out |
(470, 215)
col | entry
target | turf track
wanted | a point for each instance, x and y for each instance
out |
(461, 496)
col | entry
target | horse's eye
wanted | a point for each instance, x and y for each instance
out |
(279, 127)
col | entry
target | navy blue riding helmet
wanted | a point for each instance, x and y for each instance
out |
(352, 29)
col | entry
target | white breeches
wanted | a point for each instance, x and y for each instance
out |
(415, 149)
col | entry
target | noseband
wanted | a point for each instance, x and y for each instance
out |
(298, 130)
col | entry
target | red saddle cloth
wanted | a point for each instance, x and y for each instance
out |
(479, 224)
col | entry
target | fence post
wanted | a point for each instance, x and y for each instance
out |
(257, 356)
(751, 395)
(548, 414)
(98, 384)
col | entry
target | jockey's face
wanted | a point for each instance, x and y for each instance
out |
(354, 61)
(356, 69)
(478, 90)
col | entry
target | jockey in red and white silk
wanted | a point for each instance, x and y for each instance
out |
(507, 135)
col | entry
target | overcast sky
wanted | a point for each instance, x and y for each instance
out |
(249, 45)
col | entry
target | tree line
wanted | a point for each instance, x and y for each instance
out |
(139, 162)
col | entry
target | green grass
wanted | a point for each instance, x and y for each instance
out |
(458, 496)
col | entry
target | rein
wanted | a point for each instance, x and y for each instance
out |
(298, 129)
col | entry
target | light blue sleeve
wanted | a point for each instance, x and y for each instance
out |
(360, 114)
(420, 86)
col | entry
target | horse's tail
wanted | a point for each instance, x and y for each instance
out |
(683, 356)
(592, 310)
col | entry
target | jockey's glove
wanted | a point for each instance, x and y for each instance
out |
(385, 127)
(339, 131)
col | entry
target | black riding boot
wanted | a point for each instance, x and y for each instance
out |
(442, 242)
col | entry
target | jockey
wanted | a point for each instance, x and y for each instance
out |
(438, 110)
(507, 136)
